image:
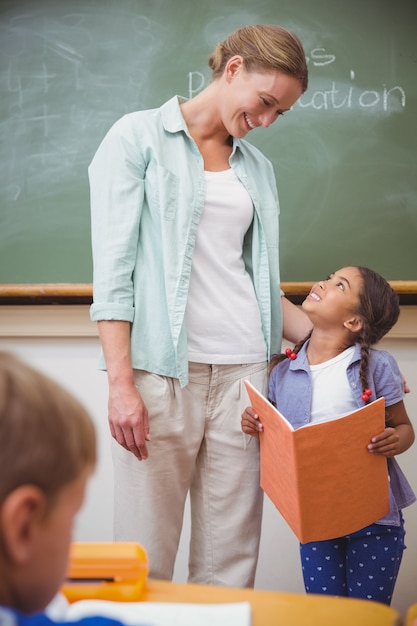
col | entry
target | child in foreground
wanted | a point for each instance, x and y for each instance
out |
(47, 453)
(331, 373)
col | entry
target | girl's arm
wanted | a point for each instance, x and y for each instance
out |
(398, 435)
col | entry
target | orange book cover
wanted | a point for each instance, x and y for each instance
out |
(321, 477)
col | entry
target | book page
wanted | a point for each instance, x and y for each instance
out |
(163, 613)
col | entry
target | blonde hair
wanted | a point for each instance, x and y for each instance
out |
(263, 47)
(47, 438)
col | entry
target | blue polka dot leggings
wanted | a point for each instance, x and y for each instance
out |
(364, 564)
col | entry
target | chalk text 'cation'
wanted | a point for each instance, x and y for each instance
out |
(336, 96)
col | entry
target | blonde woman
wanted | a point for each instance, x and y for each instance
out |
(188, 304)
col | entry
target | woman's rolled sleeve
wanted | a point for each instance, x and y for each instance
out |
(100, 311)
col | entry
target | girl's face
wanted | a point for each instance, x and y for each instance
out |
(254, 99)
(335, 301)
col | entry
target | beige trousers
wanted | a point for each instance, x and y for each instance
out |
(196, 446)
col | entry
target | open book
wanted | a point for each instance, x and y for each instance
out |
(153, 613)
(321, 477)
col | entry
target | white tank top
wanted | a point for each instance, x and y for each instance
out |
(222, 316)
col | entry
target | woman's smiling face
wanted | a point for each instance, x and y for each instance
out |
(254, 99)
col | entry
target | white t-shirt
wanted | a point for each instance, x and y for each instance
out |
(332, 395)
(222, 316)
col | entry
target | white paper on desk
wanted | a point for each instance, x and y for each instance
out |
(164, 613)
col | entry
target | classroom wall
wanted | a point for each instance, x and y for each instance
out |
(62, 342)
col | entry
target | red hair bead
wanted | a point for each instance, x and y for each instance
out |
(366, 395)
(291, 354)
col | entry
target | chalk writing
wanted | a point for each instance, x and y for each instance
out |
(340, 97)
(60, 95)
(320, 58)
(196, 82)
(333, 96)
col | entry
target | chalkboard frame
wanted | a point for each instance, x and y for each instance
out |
(82, 293)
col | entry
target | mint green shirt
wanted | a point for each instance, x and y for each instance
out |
(147, 194)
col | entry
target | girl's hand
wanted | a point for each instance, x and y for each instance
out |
(398, 436)
(250, 422)
(386, 443)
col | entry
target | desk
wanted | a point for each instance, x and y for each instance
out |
(271, 608)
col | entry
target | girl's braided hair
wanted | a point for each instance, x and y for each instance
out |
(379, 309)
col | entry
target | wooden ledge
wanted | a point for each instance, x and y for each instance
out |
(82, 293)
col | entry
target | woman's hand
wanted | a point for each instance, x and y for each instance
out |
(127, 413)
(128, 419)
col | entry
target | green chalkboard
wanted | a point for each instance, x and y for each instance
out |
(345, 156)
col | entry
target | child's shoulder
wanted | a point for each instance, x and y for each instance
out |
(386, 375)
(378, 356)
(280, 367)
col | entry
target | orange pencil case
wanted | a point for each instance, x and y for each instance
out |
(106, 571)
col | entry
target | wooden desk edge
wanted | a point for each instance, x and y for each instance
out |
(288, 609)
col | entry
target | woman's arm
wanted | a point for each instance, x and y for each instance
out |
(398, 435)
(127, 413)
(296, 324)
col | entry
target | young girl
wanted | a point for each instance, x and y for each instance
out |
(331, 373)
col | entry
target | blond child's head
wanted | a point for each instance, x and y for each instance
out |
(47, 452)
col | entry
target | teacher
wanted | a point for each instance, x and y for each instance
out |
(188, 304)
